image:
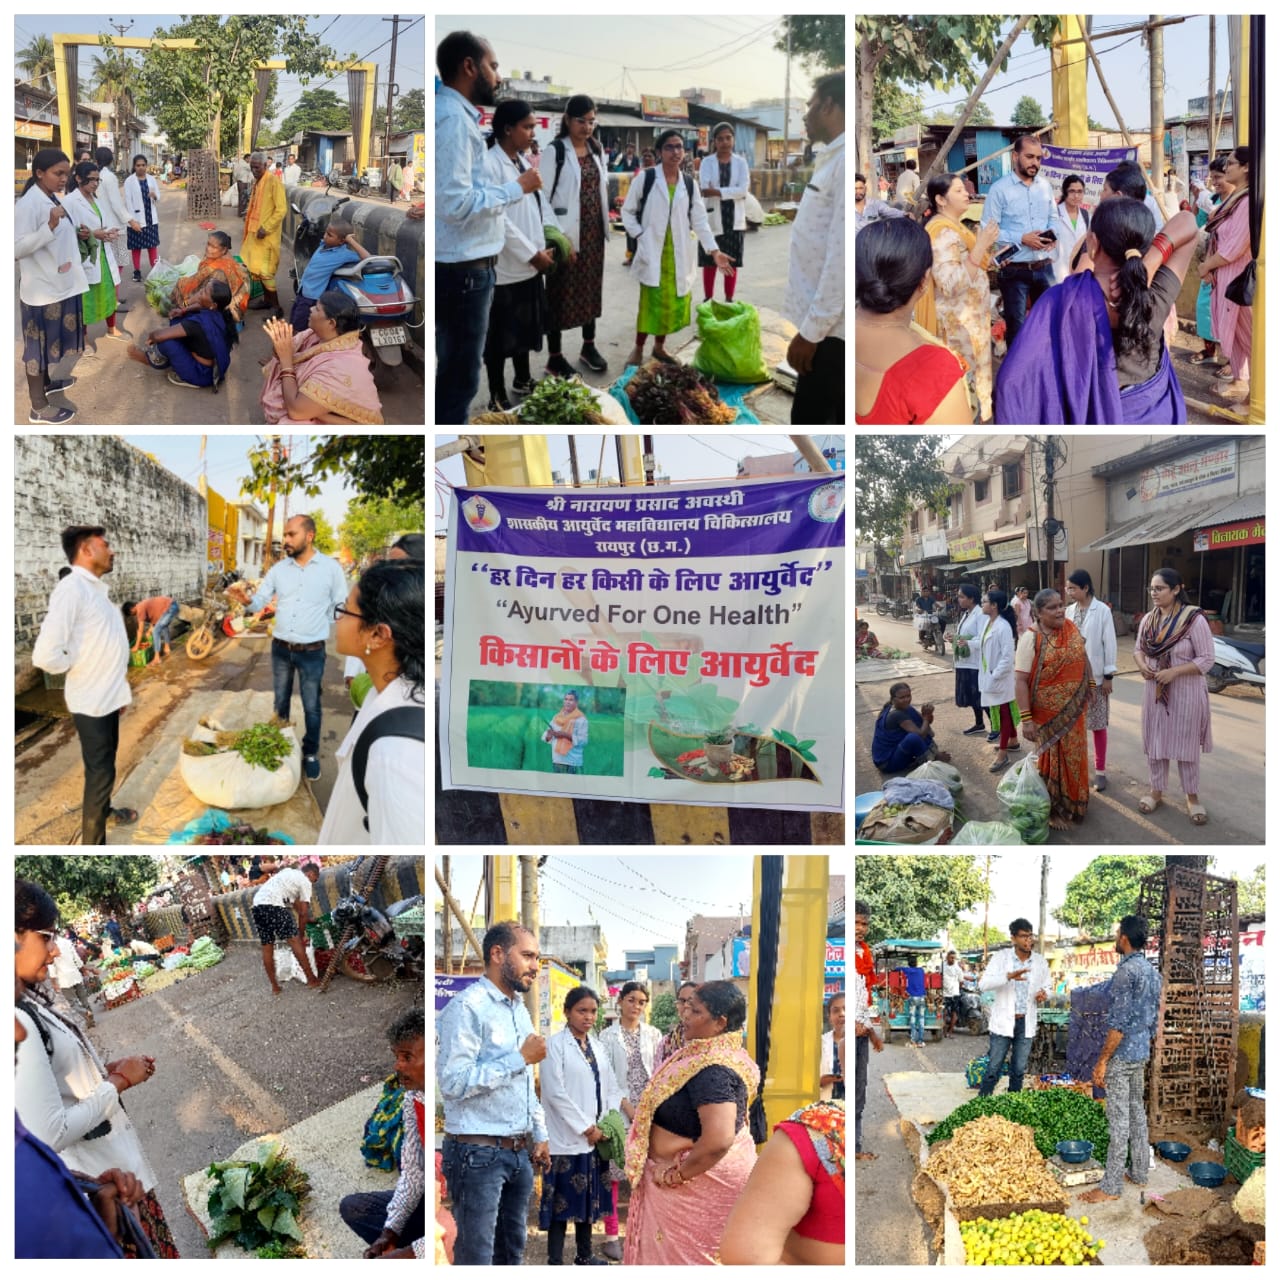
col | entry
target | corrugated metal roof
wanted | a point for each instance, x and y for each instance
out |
(1153, 528)
(1248, 506)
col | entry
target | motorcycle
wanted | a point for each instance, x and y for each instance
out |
(1237, 662)
(972, 1012)
(930, 627)
(373, 953)
(893, 608)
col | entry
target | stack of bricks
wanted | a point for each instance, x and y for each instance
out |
(203, 192)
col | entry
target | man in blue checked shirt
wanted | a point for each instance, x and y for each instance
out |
(495, 1132)
(1135, 1011)
(470, 225)
(1022, 204)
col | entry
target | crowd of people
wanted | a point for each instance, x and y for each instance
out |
(1096, 287)
(1047, 669)
(521, 239)
(665, 1114)
(381, 622)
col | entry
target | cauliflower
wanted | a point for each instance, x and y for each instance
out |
(1251, 1200)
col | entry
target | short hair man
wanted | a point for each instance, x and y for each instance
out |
(495, 1130)
(275, 904)
(567, 734)
(952, 975)
(1020, 978)
(84, 636)
(263, 221)
(865, 1035)
(155, 616)
(384, 1218)
(292, 172)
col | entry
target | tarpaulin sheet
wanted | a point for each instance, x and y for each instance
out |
(1087, 1030)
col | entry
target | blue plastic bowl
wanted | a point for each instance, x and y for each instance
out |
(1204, 1173)
(1175, 1151)
(1075, 1152)
(863, 804)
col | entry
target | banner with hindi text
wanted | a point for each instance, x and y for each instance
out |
(1091, 164)
(673, 644)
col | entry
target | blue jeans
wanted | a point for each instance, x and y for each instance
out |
(160, 632)
(915, 1011)
(1020, 286)
(999, 1050)
(366, 1214)
(462, 321)
(309, 664)
(489, 1188)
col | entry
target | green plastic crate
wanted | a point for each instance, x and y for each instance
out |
(1240, 1162)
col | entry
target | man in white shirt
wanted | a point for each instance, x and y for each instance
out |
(292, 172)
(907, 185)
(274, 907)
(1020, 979)
(83, 635)
(815, 273)
(242, 176)
(952, 973)
(65, 972)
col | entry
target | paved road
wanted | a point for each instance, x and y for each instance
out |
(111, 390)
(1232, 787)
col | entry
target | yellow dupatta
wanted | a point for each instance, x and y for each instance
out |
(676, 1071)
(926, 313)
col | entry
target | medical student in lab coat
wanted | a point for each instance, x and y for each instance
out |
(725, 181)
(663, 263)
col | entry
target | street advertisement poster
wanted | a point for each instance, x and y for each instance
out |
(742, 957)
(450, 985)
(833, 969)
(556, 983)
(1092, 164)
(673, 644)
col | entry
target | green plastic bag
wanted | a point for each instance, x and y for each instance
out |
(729, 338)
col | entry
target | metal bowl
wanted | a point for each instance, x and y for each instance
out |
(1175, 1151)
(1204, 1173)
(1076, 1151)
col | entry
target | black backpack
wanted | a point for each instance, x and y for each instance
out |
(401, 722)
(650, 177)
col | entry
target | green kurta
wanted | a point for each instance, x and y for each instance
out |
(100, 301)
(662, 310)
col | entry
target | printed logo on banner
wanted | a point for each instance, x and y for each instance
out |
(827, 503)
(481, 514)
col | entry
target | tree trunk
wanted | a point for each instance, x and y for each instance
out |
(867, 62)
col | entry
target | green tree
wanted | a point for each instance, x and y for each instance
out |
(817, 40)
(1028, 113)
(893, 474)
(372, 523)
(37, 61)
(1106, 890)
(80, 881)
(893, 109)
(663, 1014)
(115, 80)
(915, 895)
(1097, 124)
(942, 115)
(981, 114)
(1251, 894)
(376, 466)
(967, 936)
(317, 109)
(411, 110)
(195, 94)
(326, 538)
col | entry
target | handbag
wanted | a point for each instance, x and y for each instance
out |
(1240, 290)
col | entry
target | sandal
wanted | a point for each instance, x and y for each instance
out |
(1197, 814)
(1201, 358)
(1226, 373)
(1149, 804)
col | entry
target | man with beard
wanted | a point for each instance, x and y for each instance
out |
(83, 635)
(263, 222)
(1022, 204)
(470, 226)
(307, 587)
(494, 1127)
(1020, 979)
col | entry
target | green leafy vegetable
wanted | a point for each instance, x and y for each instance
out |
(263, 745)
(560, 400)
(1056, 1115)
(256, 1204)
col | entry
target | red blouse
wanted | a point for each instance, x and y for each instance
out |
(825, 1217)
(913, 387)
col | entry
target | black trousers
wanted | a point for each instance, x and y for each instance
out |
(819, 398)
(99, 738)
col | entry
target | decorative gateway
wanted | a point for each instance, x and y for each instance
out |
(677, 644)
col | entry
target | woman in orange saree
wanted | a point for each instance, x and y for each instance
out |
(689, 1150)
(218, 262)
(1054, 684)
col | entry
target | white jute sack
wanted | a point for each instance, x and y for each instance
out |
(228, 781)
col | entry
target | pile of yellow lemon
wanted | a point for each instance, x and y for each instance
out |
(1034, 1238)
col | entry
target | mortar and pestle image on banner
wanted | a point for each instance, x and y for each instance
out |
(731, 754)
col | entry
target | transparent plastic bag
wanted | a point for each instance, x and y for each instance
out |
(1023, 793)
(987, 833)
(936, 771)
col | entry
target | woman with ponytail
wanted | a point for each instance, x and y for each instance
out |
(997, 683)
(1097, 354)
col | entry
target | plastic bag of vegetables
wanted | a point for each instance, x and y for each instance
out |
(987, 833)
(936, 771)
(1024, 794)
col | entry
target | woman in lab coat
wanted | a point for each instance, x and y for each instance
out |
(111, 202)
(142, 203)
(672, 214)
(89, 215)
(576, 187)
(725, 180)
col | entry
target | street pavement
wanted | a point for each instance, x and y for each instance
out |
(112, 390)
(1232, 776)
(763, 283)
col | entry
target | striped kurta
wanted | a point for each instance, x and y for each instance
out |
(1179, 730)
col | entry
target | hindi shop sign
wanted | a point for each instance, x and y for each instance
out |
(1092, 164)
(1244, 533)
(681, 644)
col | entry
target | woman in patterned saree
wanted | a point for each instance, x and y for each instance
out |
(689, 1151)
(1054, 685)
(218, 261)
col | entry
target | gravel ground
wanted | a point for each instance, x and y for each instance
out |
(233, 1063)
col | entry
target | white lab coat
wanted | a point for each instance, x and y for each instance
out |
(81, 213)
(133, 200)
(41, 252)
(522, 236)
(569, 1093)
(739, 185)
(110, 200)
(996, 680)
(995, 978)
(616, 1049)
(1068, 238)
(659, 210)
(568, 192)
(1099, 633)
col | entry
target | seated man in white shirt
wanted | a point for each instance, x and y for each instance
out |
(83, 635)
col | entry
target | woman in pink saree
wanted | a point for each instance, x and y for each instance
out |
(1229, 254)
(321, 374)
(689, 1151)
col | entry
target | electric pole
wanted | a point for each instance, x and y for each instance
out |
(269, 556)
(1213, 83)
(1049, 530)
(1044, 895)
(391, 91)
(1155, 38)
(573, 462)
(446, 937)
(529, 918)
(786, 104)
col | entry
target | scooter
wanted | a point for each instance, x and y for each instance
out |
(972, 1013)
(1237, 662)
(930, 628)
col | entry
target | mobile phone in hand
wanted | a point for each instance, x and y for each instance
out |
(1004, 253)
(1049, 235)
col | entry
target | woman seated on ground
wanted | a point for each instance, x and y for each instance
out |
(218, 263)
(196, 349)
(1092, 349)
(905, 374)
(904, 736)
(865, 643)
(321, 374)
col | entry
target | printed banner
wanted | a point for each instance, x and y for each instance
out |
(1089, 163)
(1244, 533)
(674, 644)
(450, 985)
(664, 110)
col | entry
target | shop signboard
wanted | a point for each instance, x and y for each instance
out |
(1013, 549)
(935, 545)
(1243, 533)
(970, 547)
(664, 110)
(1204, 468)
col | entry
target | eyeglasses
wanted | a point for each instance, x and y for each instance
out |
(49, 935)
(338, 611)
(673, 146)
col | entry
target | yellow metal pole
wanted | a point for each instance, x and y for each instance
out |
(1258, 346)
(370, 85)
(1070, 86)
(504, 890)
(65, 47)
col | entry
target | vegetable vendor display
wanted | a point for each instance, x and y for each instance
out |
(992, 1160)
(1056, 1115)
(1024, 794)
(1033, 1238)
(256, 1203)
(662, 393)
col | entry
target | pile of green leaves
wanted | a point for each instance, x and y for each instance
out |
(1056, 1115)
(263, 745)
(256, 1204)
(774, 220)
(560, 400)
(676, 394)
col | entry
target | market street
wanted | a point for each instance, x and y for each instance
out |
(1232, 775)
(112, 390)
